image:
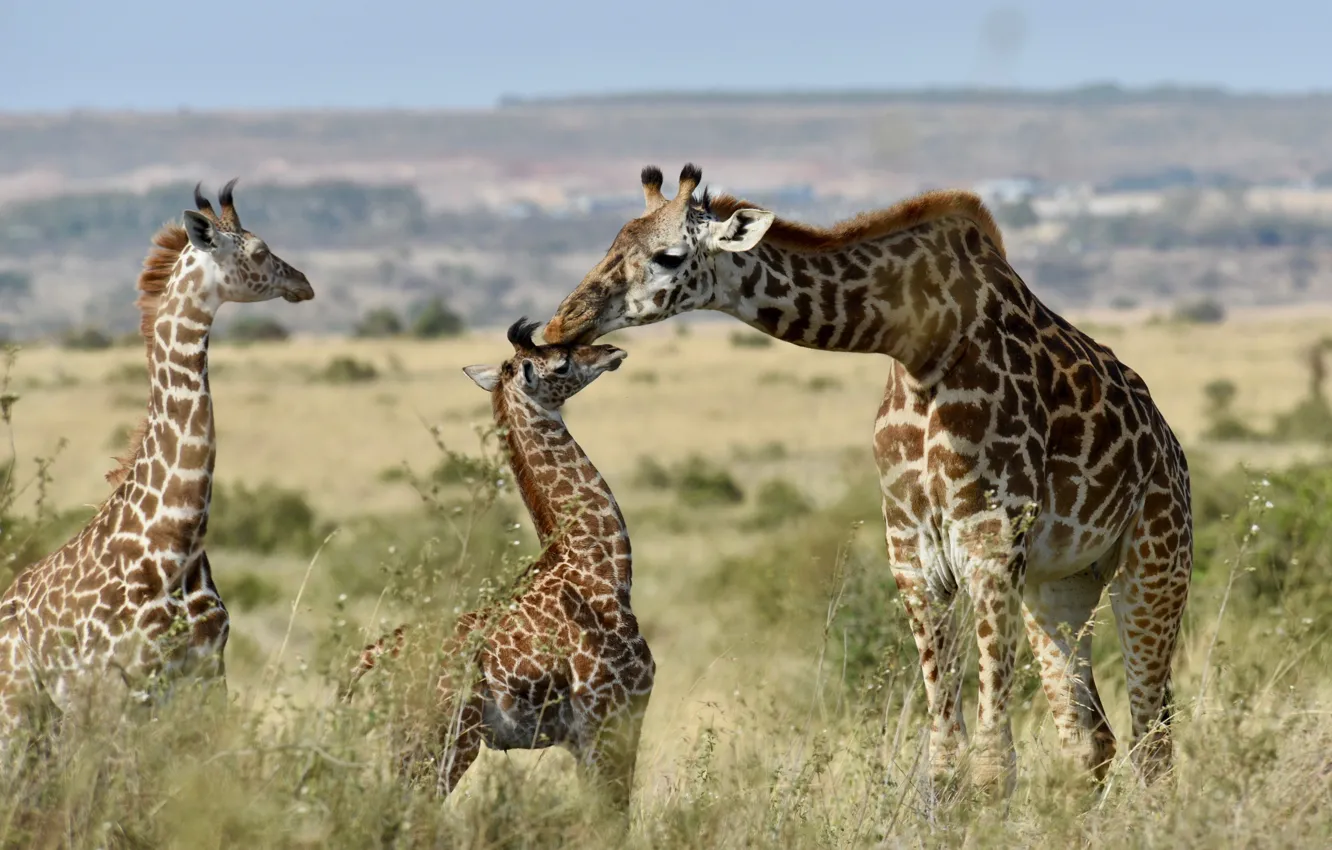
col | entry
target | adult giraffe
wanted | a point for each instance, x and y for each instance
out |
(1018, 458)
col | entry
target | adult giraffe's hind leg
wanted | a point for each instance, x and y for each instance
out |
(1147, 596)
(1059, 625)
(996, 595)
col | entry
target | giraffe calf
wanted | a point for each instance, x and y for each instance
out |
(563, 662)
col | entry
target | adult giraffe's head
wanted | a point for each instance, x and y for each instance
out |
(660, 264)
(235, 264)
(547, 375)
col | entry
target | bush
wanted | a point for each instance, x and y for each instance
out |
(256, 329)
(456, 468)
(266, 519)
(1309, 421)
(838, 549)
(1224, 425)
(434, 320)
(458, 546)
(348, 370)
(778, 501)
(652, 475)
(247, 591)
(697, 482)
(87, 339)
(1276, 524)
(378, 323)
(1205, 311)
(700, 483)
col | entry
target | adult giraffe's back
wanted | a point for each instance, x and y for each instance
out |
(1017, 457)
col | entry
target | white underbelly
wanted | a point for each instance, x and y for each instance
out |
(1057, 550)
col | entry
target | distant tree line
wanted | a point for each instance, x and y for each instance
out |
(318, 214)
(340, 214)
(1167, 231)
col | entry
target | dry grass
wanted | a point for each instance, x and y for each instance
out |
(276, 422)
(752, 738)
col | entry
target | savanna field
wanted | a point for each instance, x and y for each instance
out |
(359, 488)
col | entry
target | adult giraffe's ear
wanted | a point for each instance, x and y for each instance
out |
(486, 377)
(200, 231)
(741, 231)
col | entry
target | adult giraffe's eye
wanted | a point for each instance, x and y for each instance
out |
(667, 260)
(563, 368)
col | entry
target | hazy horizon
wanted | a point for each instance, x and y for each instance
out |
(147, 55)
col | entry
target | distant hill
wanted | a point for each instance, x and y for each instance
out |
(1088, 95)
(940, 137)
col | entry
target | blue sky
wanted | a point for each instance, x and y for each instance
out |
(148, 54)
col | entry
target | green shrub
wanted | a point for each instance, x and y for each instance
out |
(701, 483)
(1205, 311)
(249, 329)
(1223, 424)
(246, 591)
(1309, 421)
(265, 519)
(651, 474)
(379, 322)
(86, 338)
(463, 545)
(697, 482)
(776, 502)
(456, 468)
(1277, 526)
(348, 370)
(434, 320)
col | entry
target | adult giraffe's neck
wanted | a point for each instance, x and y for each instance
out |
(913, 295)
(172, 477)
(570, 503)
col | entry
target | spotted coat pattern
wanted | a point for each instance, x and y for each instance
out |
(1019, 459)
(130, 599)
(563, 662)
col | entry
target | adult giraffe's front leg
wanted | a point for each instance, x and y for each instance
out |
(933, 620)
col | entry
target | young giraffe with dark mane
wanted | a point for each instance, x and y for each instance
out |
(563, 663)
(1019, 459)
(132, 594)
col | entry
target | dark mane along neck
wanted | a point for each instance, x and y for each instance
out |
(169, 469)
(567, 497)
(907, 281)
(868, 226)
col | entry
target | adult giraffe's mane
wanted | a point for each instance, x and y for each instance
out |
(168, 243)
(875, 224)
